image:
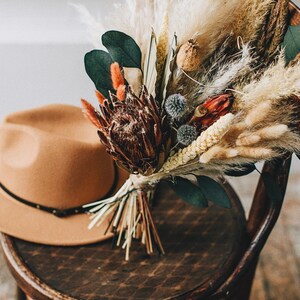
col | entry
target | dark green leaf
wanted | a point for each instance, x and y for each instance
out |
(291, 42)
(97, 65)
(272, 188)
(238, 171)
(213, 191)
(189, 192)
(122, 48)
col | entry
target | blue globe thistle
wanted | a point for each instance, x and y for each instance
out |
(186, 134)
(175, 106)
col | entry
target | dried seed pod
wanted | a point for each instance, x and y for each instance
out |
(189, 56)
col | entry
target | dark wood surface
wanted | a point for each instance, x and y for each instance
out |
(202, 246)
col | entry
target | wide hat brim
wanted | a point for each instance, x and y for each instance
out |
(34, 225)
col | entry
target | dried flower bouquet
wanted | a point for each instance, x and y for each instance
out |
(215, 98)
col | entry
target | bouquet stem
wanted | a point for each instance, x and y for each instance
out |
(131, 218)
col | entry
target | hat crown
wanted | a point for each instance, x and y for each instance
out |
(51, 156)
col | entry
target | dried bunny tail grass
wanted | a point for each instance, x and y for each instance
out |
(90, 113)
(257, 113)
(289, 141)
(267, 133)
(276, 83)
(207, 139)
(100, 97)
(217, 152)
(238, 155)
(116, 75)
(250, 18)
(258, 153)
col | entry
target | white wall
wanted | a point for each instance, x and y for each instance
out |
(42, 45)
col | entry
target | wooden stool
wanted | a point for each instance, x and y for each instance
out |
(211, 254)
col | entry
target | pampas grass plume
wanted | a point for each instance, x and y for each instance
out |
(276, 83)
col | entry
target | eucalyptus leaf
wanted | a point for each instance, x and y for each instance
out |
(291, 43)
(97, 65)
(122, 48)
(213, 191)
(273, 190)
(238, 171)
(189, 192)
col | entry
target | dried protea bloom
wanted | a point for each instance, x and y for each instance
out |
(132, 131)
(211, 110)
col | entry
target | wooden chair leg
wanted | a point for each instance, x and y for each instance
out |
(242, 290)
(20, 294)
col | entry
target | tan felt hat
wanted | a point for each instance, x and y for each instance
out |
(52, 163)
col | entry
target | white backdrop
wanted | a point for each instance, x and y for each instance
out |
(42, 45)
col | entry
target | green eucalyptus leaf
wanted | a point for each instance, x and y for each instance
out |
(97, 65)
(273, 190)
(238, 171)
(291, 42)
(213, 191)
(189, 192)
(122, 48)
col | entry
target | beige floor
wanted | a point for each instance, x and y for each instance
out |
(278, 273)
(7, 284)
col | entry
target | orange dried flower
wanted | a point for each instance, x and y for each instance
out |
(116, 75)
(121, 92)
(90, 113)
(100, 97)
